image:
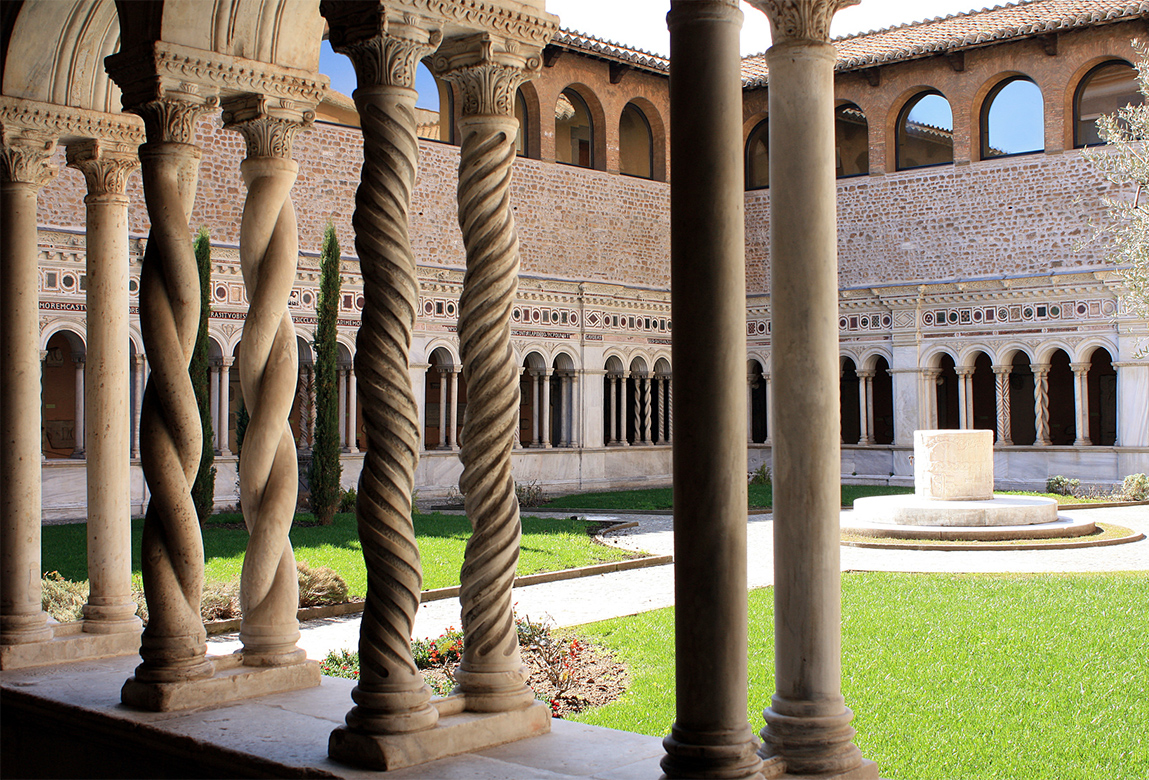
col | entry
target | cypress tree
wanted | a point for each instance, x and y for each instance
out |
(326, 469)
(203, 489)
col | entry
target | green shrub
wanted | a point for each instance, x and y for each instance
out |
(1062, 486)
(320, 585)
(63, 599)
(326, 468)
(347, 500)
(762, 476)
(530, 493)
(1135, 488)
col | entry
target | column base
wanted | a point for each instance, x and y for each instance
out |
(774, 768)
(68, 642)
(456, 732)
(729, 755)
(813, 738)
(232, 681)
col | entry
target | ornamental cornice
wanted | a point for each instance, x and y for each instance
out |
(156, 70)
(68, 123)
(800, 20)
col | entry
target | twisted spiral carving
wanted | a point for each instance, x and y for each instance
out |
(268, 373)
(489, 286)
(636, 408)
(173, 643)
(391, 694)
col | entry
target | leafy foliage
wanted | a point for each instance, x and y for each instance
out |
(1062, 486)
(1124, 160)
(1135, 488)
(326, 469)
(203, 489)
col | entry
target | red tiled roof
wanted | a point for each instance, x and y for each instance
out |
(611, 51)
(963, 31)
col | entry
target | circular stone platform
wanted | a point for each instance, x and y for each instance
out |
(1059, 527)
(913, 510)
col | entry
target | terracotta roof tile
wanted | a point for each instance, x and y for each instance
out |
(609, 50)
(963, 31)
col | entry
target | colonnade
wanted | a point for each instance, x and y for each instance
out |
(641, 415)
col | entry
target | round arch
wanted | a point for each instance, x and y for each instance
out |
(1118, 77)
(531, 134)
(577, 144)
(922, 132)
(1010, 111)
(656, 123)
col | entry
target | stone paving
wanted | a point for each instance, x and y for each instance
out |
(572, 602)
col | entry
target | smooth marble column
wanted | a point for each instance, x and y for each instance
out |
(711, 735)
(930, 379)
(78, 449)
(106, 167)
(545, 403)
(769, 410)
(749, 408)
(26, 167)
(342, 382)
(564, 410)
(1041, 402)
(535, 402)
(453, 422)
(965, 397)
(213, 392)
(1001, 384)
(618, 410)
(140, 366)
(866, 405)
(443, 384)
(807, 723)
(352, 411)
(1081, 402)
(225, 365)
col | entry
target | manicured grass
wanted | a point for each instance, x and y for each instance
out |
(761, 497)
(951, 676)
(548, 544)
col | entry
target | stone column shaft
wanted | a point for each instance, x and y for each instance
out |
(1081, 402)
(213, 394)
(750, 409)
(25, 168)
(352, 412)
(110, 608)
(711, 736)
(564, 410)
(535, 403)
(342, 409)
(453, 423)
(140, 367)
(443, 408)
(807, 724)
(769, 410)
(78, 448)
(866, 406)
(965, 398)
(225, 404)
(486, 70)
(617, 409)
(1041, 402)
(545, 403)
(669, 410)
(1001, 375)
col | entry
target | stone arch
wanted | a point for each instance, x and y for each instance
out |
(1062, 404)
(532, 366)
(1101, 397)
(614, 404)
(61, 40)
(62, 394)
(849, 399)
(982, 387)
(597, 115)
(1079, 82)
(945, 384)
(756, 151)
(757, 400)
(999, 91)
(562, 417)
(918, 144)
(1022, 383)
(444, 400)
(851, 140)
(532, 133)
(637, 396)
(658, 138)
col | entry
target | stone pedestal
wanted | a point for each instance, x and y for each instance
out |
(231, 681)
(953, 465)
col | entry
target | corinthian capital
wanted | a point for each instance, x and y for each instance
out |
(27, 156)
(488, 69)
(800, 20)
(269, 125)
(172, 119)
(384, 45)
(106, 165)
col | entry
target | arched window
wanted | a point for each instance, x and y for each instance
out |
(521, 115)
(430, 121)
(758, 157)
(851, 141)
(1013, 119)
(1106, 88)
(635, 143)
(574, 131)
(925, 132)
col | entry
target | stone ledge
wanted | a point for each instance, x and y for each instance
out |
(232, 682)
(69, 643)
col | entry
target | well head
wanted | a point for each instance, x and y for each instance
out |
(953, 465)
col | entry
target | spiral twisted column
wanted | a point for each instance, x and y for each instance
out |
(25, 166)
(1041, 403)
(173, 643)
(268, 375)
(1001, 383)
(491, 675)
(391, 696)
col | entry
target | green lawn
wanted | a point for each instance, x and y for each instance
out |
(548, 544)
(951, 676)
(761, 497)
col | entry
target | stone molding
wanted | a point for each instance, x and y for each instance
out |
(64, 122)
(800, 20)
(157, 70)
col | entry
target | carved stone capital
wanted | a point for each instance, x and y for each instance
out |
(800, 20)
(172, 118)
(384, 44)
(106, 165)
(269, 125)
(67, 123)
(488, 69)
(26, 156)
